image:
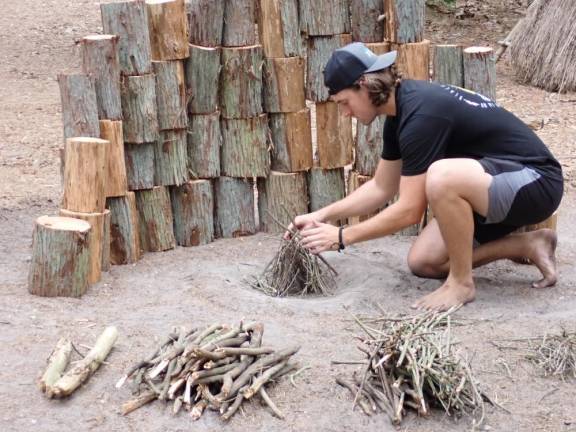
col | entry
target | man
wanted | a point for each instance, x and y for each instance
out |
(483, 172)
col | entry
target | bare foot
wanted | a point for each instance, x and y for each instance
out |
(448, 295)
(543, 255)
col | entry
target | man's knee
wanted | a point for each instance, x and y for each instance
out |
(439, 179)
(422, 267)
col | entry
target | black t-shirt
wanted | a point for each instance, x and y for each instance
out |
(436, 121)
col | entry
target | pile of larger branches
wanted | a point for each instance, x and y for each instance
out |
(556, 355)
(217, 368)
(411, 364)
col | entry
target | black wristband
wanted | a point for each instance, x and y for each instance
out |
(341, 246)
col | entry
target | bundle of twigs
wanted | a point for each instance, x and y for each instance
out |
(411, 364)
(556, 355)
(218, 368)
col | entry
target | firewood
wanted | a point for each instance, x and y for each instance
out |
(171, 158)
(155, 219)
(480, 71)
(365, 23)
(139, 109)
(170, 94)
(334, 136)
(193, 210)
(139, 165)
(283, 88)
(168, 28)
(234, 207)
(239, 23)
(202, 79)
(124, 225)
(116, 180)
(404, 20)
(292, 141)
(106, 239)
(57, 363)
(206, 22)
(413, 59)
(279, 28)
(324, 17)
(79, 105)
(368, 146)
(325, 187)
(448, 65)
(204, 144)
(379, 48)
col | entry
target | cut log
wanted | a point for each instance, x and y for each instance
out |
(57, 363)
(448, 65)
(85, 175)
(413, 60)
(139, 109)
(239, 23)
(334, 136)
(100, 59)
(404, 20)
(368, 146)
(106, 239)
(281, 196)
(365, 23)
(319, 50)
(124, 226)
(202, 79)
(79, 106)
(234, 207)
(324, 17)
(193, 210)
(356, 180)
(155, 219)
(205, 22)
(116, 180)
(204, 144)
(139, 165)
(379, 48)
(480, 71)
(245, 147)
(292, 141)
(95, 240)
(279, 28)
(168, 28)
(60, 257)
(171, 158)
(325, 187)
(170, 94)
(284, 85)
(241, 82)
(129, 21)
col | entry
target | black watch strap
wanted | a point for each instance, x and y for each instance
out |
(340, 241)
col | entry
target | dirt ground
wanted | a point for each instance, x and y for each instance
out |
(198, 286)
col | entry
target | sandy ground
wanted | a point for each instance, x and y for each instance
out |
(198, 286)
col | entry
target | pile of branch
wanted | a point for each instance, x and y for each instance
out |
(218, 368)
(411, 364)
(556, 355)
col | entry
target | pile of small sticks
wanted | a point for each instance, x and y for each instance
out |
(411, 364)
(556, 355)
(217, 368)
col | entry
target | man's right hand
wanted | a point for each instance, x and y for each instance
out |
(301, 222)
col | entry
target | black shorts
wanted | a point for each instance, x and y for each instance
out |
(518, 195)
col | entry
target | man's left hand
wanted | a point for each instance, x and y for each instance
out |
(320, 237)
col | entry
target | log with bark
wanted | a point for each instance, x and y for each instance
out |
(325, 187)
(234, 207)
(284, 85)
(171, 158)
(202, 79)
(57, 363)
(205, 22)
(204, 144)
(404, 20)
(106, 239)
(324, 17)
(356, 180)
(413, 59)
(60, 257)
(100, 60)
(193, 210)
(129, 21)
(448, 65)
(139, 165)
(379, 48)
(124, 226)
(155, 219)
(368, 146)
(480, 71)
(279, 28)
(168, 28)
(239, 23)
(334, 136)
(116, 180)
(139, 109)
(170, 94)
(79, 105)
(291, 141)
(366, 24)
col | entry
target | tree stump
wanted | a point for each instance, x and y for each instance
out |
(155, 219)
(364, 20)
(124, 226)
(170, 94)
(448, 65)
(129, 21)
(234, 207)
(139, 109)
(245, 147)
(100, 59)
(284, 196)
(106, 239)
(79, 106)
(241, 82)
(292, 141)
(205, 22)
(480, 71)
(139, 165)
(95, 241)
(202, 79)
(60, 257)
(379, 48)
(239, 23)
(325, 187)
(193, 209)
(171, 158)
(85, 175)
(356, 180)
(168, 28)
(324, 17)
(334, 136)
(368, 146)
(319, 50)
(116, 180)
(404, 20)
(284, 85)
(279, 28)
(204, 144)
(413, 60)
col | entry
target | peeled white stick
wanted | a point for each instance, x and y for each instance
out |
(57, 363)
(85, 367)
